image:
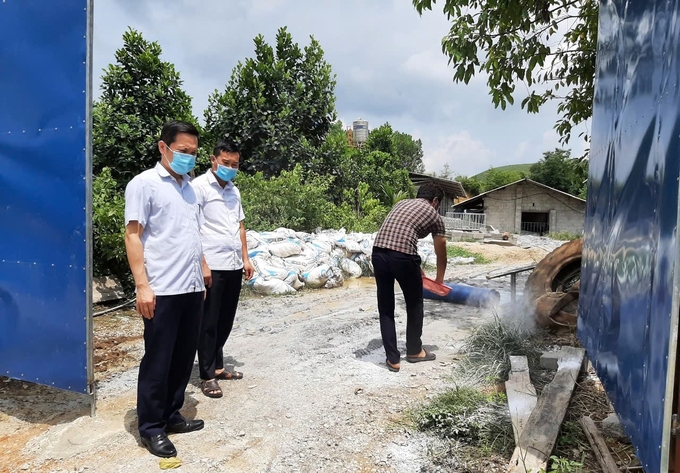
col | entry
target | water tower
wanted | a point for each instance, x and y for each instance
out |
(359, 132)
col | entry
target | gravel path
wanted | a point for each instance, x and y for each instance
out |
(316, 395)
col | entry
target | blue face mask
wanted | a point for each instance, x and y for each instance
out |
(225, 173)
(182, 163)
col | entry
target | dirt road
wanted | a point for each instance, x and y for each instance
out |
(316, 395)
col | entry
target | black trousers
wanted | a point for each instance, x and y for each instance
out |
(218, 319)
(388, 266)
(170, 339)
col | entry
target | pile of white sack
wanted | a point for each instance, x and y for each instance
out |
(286, 260)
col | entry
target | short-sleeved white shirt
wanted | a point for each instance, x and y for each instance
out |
(222, 214)
(170, 216)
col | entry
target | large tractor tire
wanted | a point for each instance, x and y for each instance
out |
(553, 287)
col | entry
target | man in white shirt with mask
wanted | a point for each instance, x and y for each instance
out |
(163, 243)
(223, 236)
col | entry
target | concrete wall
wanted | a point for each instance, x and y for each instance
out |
(446, 205)
(504, 208)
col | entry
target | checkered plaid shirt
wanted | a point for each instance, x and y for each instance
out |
(409, 220)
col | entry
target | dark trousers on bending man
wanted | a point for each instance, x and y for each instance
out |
(218, 319)
(388, 266)
(170, 339)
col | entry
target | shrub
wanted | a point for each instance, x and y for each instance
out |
(108, 228)
(285, 201)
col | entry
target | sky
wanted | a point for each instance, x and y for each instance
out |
(387, 60)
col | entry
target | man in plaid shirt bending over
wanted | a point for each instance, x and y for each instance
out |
(395, 256)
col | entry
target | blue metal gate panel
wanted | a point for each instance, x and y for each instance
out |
(45, 328)
(628, 306)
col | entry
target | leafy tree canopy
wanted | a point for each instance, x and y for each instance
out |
(278, 105)
(471, 185)
(409, 151)
(498, 178)
(549, 46)
(139, 93)
(559, 170)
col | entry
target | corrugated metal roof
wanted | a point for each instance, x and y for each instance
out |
(451, 188)
(477, 198)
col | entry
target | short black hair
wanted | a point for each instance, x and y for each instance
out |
(223, 146)
(174, 127)
(429, 191)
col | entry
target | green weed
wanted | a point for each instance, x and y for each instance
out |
(469, 416)
(563, 236)
(563, 465)
(453, 251)
(488, 350)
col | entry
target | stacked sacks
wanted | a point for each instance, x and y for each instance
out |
(285, 260)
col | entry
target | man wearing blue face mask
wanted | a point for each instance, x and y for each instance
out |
(163, 243)
(224, 244)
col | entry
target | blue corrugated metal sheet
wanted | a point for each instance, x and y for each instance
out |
(43, 192)
(627, 312)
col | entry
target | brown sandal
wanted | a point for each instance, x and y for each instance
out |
(211, 389)
(229, 375)
(429, 356)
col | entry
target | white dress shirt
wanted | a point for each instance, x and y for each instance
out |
(170, 215)
(222, 213)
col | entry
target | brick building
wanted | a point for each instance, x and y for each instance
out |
(527, 206)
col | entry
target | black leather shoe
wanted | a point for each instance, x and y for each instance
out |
(160, 445)
(184, 426)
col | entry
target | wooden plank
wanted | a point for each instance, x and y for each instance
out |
(521, 394)
(599, 446)
(540, 433)
(506, 272)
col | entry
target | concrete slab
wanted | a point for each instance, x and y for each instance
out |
(106, 289)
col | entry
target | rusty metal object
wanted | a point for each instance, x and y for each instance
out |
(553, 287)
(556, 308)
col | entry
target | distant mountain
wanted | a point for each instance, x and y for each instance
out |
(510, 167)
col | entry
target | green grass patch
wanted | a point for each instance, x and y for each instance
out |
(473, 413)
(563, 236)
(487, 351)
(453, 251)
(469, 416)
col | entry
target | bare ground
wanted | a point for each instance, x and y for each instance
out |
(316, 395)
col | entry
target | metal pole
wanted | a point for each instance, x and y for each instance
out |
(513, 286)
(89, 38)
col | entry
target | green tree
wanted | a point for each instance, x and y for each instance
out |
(380, 139)
(555, 169)
(393, 196)
(516, 42)
(378, 169)
(328, 160)
(498, 178)
(279, 105)
(580, 177)
(108, 222)
(409, 151)
(377, 164)
(139, 93)
(559, 170)
(288, 200)
(446, 172)
(471, 185)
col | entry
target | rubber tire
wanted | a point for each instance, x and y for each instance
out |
(542, 279)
